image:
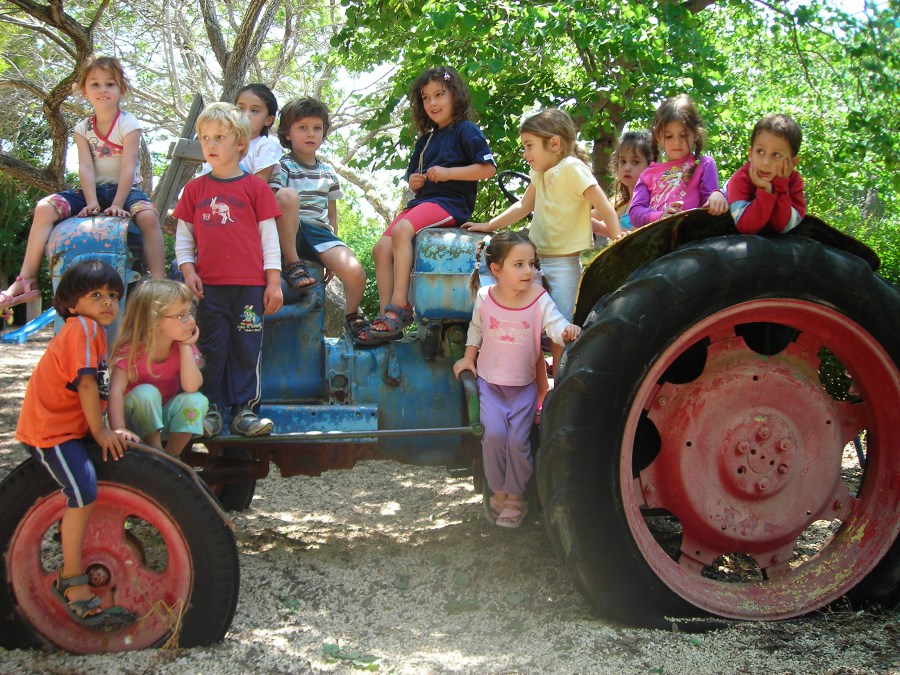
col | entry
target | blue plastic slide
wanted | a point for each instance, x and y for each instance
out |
(20, 335)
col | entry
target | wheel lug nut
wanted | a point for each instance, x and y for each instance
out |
(763, 485)
(783, 469)
(785, 445)
(763, 433)
(661, 401)
(742, 447)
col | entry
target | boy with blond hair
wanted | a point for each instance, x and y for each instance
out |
(768, 190)
(226, 245)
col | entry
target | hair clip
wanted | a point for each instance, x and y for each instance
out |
(487, 240)
(446, 76)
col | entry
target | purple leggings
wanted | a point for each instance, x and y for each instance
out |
(507, 414)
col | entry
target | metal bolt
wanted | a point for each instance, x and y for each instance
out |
(785, 445)
(763, 485)
(661, 401)
(742, 447)
(649, 488)
(763, 433)
(783, 469)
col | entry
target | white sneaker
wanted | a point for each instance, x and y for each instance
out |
(247, 423)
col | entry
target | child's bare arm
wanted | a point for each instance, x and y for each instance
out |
(604, 210)
(467, 362)
(189, 371)
(333, 216)
(111, 442)
(266, 173)
(416, 181)
(131, 149)
(118, 381)
(481, 171)
(512, 215)
(87, 177)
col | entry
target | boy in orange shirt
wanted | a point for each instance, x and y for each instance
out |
(63, 402)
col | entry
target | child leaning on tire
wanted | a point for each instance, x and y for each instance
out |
(768, 190)
(63, 402)
(505, 338)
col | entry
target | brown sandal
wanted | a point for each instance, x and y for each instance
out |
(88, 612)
(297, 277)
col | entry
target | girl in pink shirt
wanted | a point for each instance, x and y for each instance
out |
(505, 338)
(155, 378)
(687, 179)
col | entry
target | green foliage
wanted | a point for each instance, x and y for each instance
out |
(610, 63)
(884, 237)
(360, 234)
(15, 218)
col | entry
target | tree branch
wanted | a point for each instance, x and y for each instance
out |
(27, 86)
(370, 192)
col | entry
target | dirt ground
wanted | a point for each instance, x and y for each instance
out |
(391, 568)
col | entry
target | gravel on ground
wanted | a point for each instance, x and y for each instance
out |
(392, 568)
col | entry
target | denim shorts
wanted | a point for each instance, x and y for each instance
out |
(315, 239)
(70, 202)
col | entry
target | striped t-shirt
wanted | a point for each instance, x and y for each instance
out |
(316, 184)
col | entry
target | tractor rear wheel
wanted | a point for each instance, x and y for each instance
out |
(696, 455)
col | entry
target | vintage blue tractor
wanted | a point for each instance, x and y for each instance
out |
(695, 454)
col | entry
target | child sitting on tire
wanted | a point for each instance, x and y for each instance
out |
(768, 190)
(63, 402)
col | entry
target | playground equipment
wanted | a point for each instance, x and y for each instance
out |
(692, 454)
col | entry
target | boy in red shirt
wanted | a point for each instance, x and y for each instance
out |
(226, 245)
(767, 190)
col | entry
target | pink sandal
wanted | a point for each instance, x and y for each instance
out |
(32, 293)
(495, 507)
(513, 513)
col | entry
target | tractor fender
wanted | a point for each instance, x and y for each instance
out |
(615, 263)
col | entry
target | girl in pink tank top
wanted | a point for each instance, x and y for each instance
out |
(505, 339)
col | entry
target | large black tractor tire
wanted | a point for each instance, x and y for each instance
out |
(695, 398)
(155, 545)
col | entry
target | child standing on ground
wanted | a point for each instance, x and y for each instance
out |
(632, 155)
(307, 194)
(449, 158)
(687, 179)
(226, 245)
(767, 190)
(561, 194)
(260, 106)
(110, 175)
(63, 402)
(505, 339)
(155, 380)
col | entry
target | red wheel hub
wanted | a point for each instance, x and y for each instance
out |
(116, 570)
(751, 452)
(749, 458)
